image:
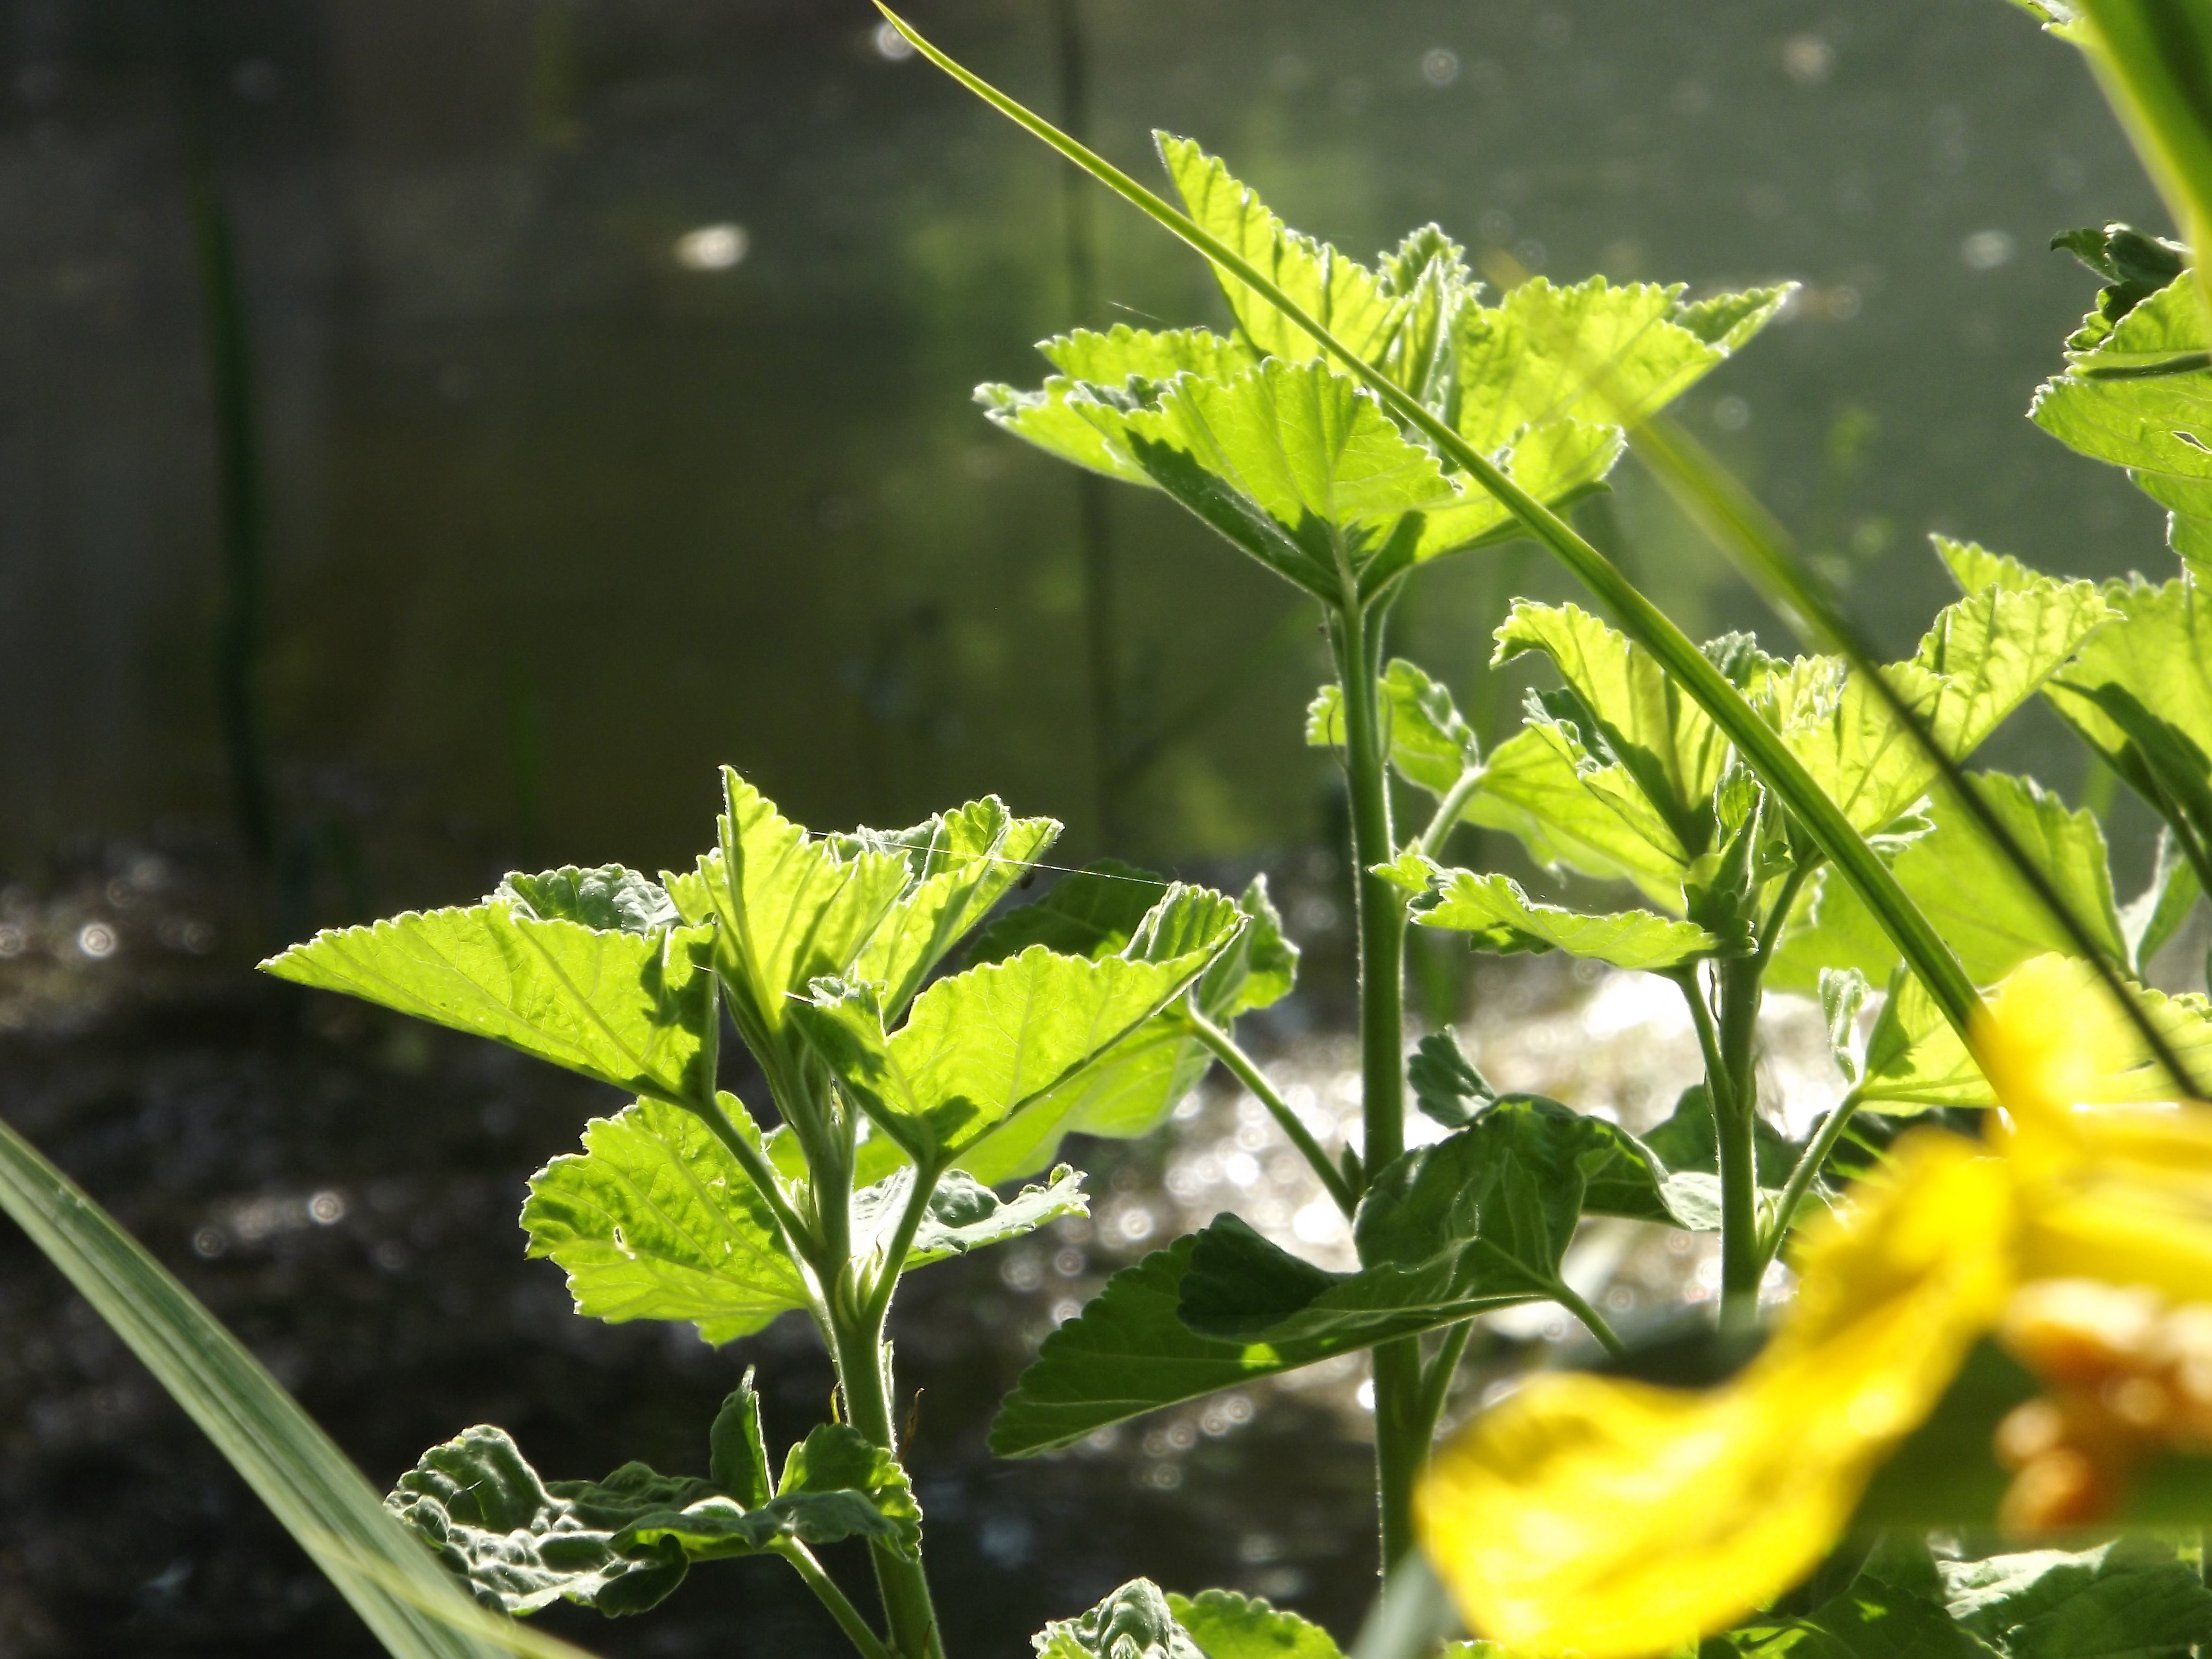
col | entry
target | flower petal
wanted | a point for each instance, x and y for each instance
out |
(1619, 1519)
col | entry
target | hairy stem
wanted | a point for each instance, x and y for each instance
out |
(1447, 812)
(1741, 1262)
(1437, 1375)
(1230, 1053)
(1401, 1443)
(1802, 1178)
(858, 1349)
(1571, 1299)
(825, 1590)
(902, 1240)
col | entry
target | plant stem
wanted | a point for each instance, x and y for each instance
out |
(1802, 1178)
(1736, 1122)
(1568, 1298)
(1401, 1444)
(894, 1263)
(858, 1349)
(1447, 812)
(1226, 1050)
(826, 1591)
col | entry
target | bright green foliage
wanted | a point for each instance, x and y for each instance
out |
(1135, 1622)
(1532, 788)
(623, 1544)
(1227, 1625)
(2118, 402)
(1984, 908)
(627, 1006)
(1499, 916)
(2135, 265)
(981, 1046)
(656, 1220)
(1430, 743)
(1112, 360)
(1096, 913)
(1983, 657)
(1355, 304)
(1605, 355)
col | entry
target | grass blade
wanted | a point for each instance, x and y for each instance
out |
(1643, 621)
(383, 1572)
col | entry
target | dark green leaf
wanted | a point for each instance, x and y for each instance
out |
(738, 1464)
(1446, 1085)
(1135, 1622)
(2132, 1598)
(2134, 265)
(1688, 1141)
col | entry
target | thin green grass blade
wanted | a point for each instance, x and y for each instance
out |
(1759, 547)
(383, 1572)
(1643, 621)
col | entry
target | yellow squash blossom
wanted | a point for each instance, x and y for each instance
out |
(1618, 1518)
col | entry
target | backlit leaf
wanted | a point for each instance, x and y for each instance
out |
(654, 1220)
(633, 1009)
(1110, 360)
(1499, 916)
(2158, 426)
(1227, 1625)
(1970, 890)
(1429, 743)
(1531, 787)
(1610, 355)
(1352, 302)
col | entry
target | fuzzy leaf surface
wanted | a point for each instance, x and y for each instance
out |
(1227, 1625)
(1109, 361)
(1135, 1622)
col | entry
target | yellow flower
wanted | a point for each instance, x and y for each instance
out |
(1616, 1518)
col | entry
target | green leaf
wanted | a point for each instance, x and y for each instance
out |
(1092, 912)
(1227, 1625)
(2139, 692)
(964, 1215)
(1127, 1352)
(1915, 1061)
(629, 1008)
(1842, 994)
(656, 1220)
(983, 1046)
(959, 864)
(623, 1544)
(294, 1467)
(2130, 1598)
(1258, 968)
(1984, 656)
(791, 907)
(1611, 355)
(1135, 1622)
(738, 1464)
(1295, 463)
(1354, 302)
(1446, 1085)
(1109, 361)
(2113, 405)
(2134, 265)
(1502, 918)
(1970, 891)
(1532, 789)
(522, 1544)
(610, 899)
(2153, 916)
(1661, 739)
(1871, 1620)
(1477, 1221)
(1429, 743)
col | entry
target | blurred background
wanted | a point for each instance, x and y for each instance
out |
(435, 434)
